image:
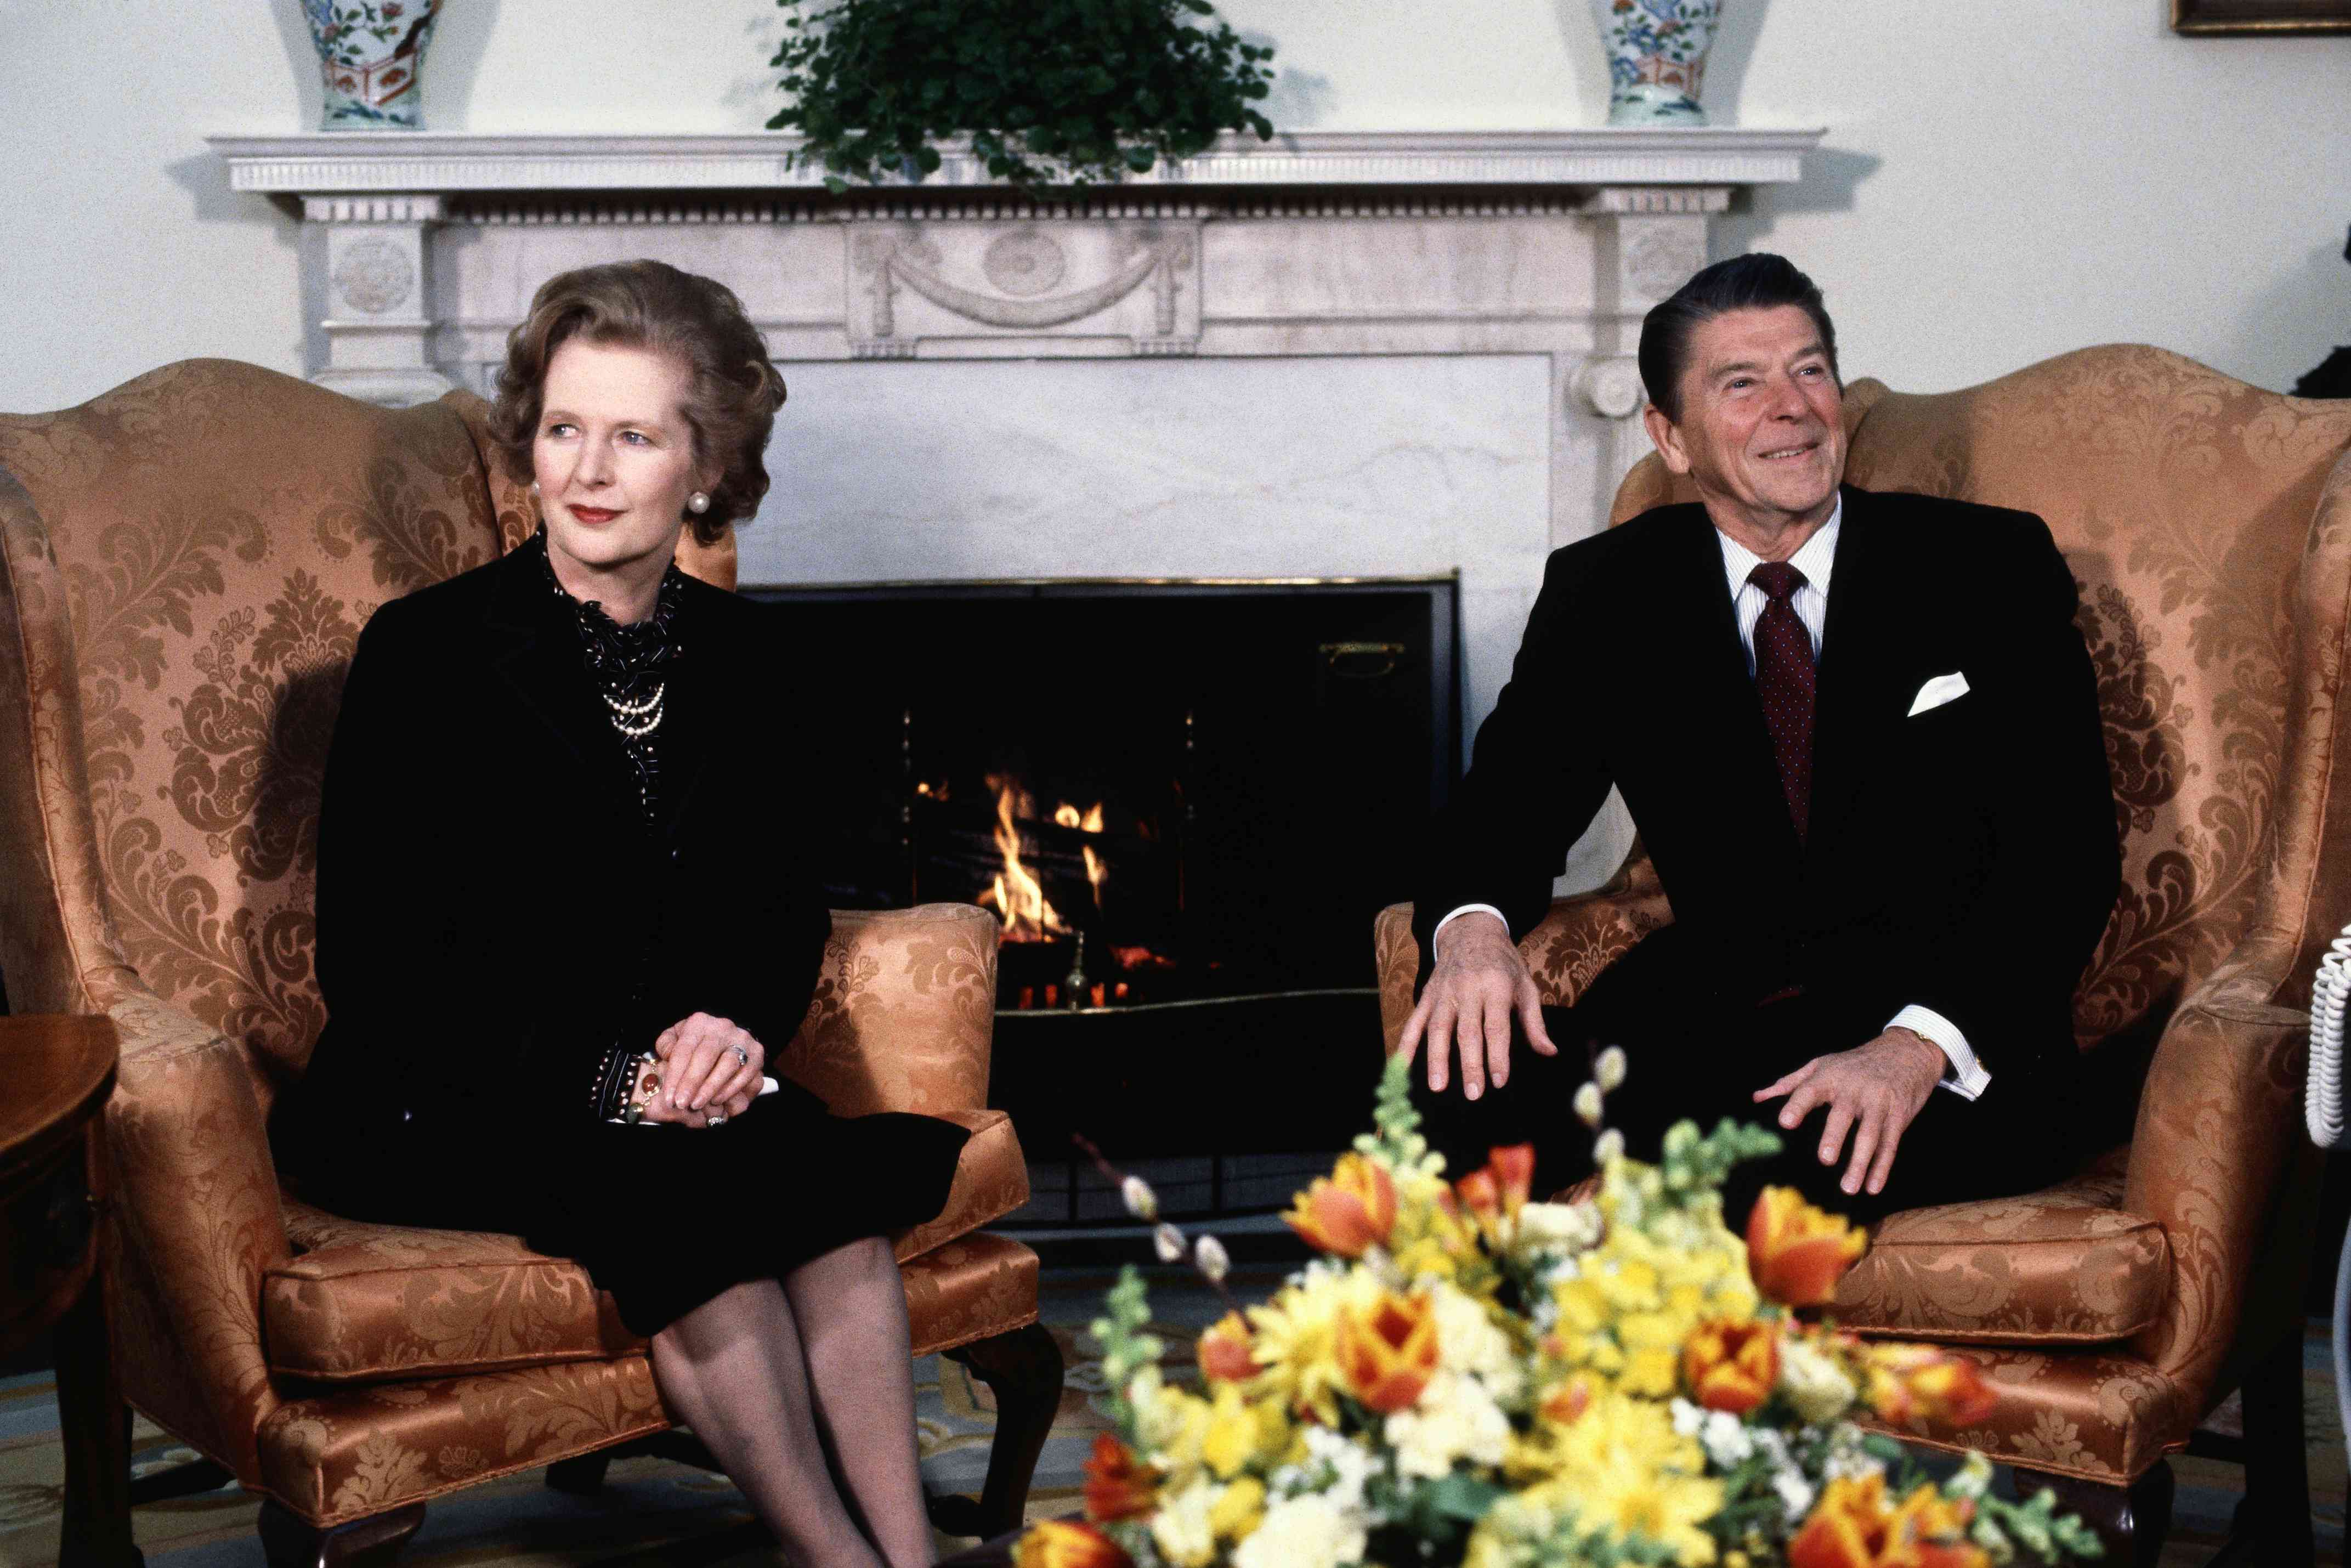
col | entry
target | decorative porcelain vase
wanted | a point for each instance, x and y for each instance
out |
(1656, 54)
(370, 54)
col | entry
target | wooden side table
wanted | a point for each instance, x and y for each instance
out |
(59, 1071)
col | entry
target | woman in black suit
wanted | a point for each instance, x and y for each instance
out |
(554, 833)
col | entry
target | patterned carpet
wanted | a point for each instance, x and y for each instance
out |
(652, 1511)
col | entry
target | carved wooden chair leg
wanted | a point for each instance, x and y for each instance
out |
(2132, 1521)
(288, 1541)
(1024, 1370)
(582, 1475)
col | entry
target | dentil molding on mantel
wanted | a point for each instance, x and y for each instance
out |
(373, 161)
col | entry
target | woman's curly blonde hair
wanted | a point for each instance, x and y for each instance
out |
(734, 391)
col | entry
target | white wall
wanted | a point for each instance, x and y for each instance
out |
(2002, 179)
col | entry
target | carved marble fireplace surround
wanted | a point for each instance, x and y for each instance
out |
(1334, 355)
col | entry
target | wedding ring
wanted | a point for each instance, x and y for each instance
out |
(741, 1055)
(714, 1118)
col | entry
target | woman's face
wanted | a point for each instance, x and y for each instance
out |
(614, 461)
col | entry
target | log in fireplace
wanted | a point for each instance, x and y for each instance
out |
(1186, 800)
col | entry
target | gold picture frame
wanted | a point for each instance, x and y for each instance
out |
(2213, 17)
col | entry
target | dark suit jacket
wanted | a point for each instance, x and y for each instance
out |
(1965, 858)
(493, 912)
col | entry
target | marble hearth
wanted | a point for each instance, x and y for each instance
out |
(1335, 355)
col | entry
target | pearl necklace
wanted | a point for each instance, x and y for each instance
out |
(640, 719)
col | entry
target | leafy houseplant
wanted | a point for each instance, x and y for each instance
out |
(1050, 91)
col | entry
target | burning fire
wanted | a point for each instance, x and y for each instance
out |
(1016, 893)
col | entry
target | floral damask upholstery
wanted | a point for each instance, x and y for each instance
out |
(186, 563)
(2208, 526)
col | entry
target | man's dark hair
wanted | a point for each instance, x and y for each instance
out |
(1760, 281)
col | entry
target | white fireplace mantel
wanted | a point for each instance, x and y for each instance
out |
(1341, 243)
(373, 161)
(1333, 354)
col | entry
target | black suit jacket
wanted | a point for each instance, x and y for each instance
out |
(1964, 858)
(493, 912)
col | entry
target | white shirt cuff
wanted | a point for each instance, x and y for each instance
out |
(1967, 1079)
(1467, 909)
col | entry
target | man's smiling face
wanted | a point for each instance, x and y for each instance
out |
(1762, 431)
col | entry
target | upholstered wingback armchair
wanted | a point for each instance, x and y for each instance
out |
(2209, 525)
(184, 565)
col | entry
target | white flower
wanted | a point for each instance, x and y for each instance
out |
(1608, 1145)
(1609, 1069)
(1846, 1460)
(1169, 1242)
(1814, 1383)
(1309, 1531)
(1180, 1529)
(1337, 1468)
(1214, 1262)
(1795, 1493)
(1587, 1104)
(1687, 1418)
(1140, 1201)
(1469, 1342)
(1455, 1419)
(1557, 1228)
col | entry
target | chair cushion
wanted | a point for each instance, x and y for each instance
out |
(2059, 1267)
(363, 1304)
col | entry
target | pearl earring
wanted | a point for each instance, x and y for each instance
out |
(534, 486)
(697, 503)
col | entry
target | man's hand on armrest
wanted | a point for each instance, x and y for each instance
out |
(1477, 982)
(1872, 1090)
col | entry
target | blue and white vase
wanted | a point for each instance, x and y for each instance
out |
(1657, 57)
(370, 56)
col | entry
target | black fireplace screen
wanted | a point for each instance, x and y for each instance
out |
(1186, 801)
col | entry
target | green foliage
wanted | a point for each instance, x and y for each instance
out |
(1695, 1165)
(1398, 1142)
(1050, 91)
(1127, 1347)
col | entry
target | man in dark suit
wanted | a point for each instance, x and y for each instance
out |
(1859, 736)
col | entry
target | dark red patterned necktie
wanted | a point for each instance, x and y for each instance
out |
(1783, 680)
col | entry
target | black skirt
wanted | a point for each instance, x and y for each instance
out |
(666, 1216)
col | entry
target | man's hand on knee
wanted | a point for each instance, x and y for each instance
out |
(1477, 982)
(1872, 1090)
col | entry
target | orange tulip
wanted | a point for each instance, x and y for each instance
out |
(1352, 1209)
(1731, 1365)
(1494, 1193)
(1853, 1526)
(1849, 1527)
(1052, 1543)
(1119, 1484)
(1224, 1351)
(1917, 1382)
(1387, 1356)
(1797, 1253)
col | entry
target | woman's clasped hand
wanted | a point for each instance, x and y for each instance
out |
(710, 1071)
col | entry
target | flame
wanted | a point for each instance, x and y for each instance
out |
(1018, 895)
(1089, 820)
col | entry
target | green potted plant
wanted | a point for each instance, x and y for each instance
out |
(1049, 92)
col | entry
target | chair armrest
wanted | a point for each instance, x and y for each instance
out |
(904, 1012)
(991, 1180)
(194, 1222)
(1581, 936)
(2218, 1125)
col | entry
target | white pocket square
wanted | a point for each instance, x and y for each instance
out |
(1937, 691)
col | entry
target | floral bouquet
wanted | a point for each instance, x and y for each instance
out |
(1470, 1377)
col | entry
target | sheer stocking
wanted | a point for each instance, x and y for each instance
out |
(734, 1370)
(852, 1309)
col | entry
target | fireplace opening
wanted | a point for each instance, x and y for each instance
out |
(1186, 801)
